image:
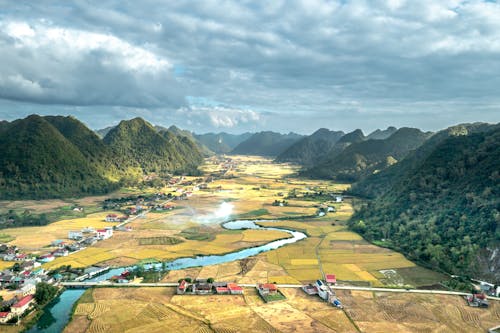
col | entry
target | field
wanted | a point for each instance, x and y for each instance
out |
(194, 228)
(155, 309)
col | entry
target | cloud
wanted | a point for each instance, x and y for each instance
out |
(306, 63)
(44, 63)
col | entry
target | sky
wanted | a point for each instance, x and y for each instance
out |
(236, 66)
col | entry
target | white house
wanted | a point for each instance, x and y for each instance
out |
(104, 233)
(76, 235)
(24, 303)
(27, 289)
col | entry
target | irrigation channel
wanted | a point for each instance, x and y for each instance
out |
(57, 314)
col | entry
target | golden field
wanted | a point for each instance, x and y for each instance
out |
(159, 310)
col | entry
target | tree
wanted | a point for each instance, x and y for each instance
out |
(44, 292)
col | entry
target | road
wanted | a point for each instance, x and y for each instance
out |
(166, 284)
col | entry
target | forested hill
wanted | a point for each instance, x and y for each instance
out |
(363, 158)
(136, 143)
(443, 209)
(49, 157)
(309, 150)
(266, 144)
(37, 161)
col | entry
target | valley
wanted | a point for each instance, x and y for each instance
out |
(252, 188)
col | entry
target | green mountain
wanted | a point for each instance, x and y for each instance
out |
(184, 133)
(309, 150)
(266, 144)
(382, 134)
(136, 143)
(221, 143)
(363, 158)
(444, 210)
(37, 161)
(379, 183)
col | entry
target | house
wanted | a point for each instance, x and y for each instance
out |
(58, 243)
(20, 257)
(234, 289)
(76, 235)
(222, 290)
(61, 253)
(38, 272)
(112, 218)
(181, 288)
(27, 265)
(5, 317)
(339, 198)
(265, 289)
(88, 230)
(22, 305)
(331, 278)
(27, 289)
(46, 258)
(9, 257)
(201, 288)
(104, 233)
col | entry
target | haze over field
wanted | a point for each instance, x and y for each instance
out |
(246, 66)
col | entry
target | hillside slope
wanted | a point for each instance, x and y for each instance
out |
(37, 161)
(445, 210)
(266, 144)
(363, 158)
(311, 149)
(136, 143)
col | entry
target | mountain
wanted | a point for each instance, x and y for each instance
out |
(363, 158)
(311, 149)
(103, 131)
(205, 151)
(382, 134)
(443, 208)
(136, 143)
(221, 143)
(37, 161)
(266, 144)
(379, 183)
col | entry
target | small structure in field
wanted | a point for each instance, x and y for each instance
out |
(269, 292)
(310, 289)
(331, 279)
(477, 300)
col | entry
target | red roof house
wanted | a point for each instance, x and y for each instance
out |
(24, 303)
(222, 290)
(234, 288)
(331, 278)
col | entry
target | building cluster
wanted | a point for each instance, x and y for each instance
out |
(20, 282)
(207, 286)
(323, 290)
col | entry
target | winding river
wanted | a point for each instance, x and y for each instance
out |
(57, 313)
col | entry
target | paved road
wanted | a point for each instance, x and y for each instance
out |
(162, 284)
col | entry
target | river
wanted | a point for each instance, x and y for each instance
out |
(58, 312)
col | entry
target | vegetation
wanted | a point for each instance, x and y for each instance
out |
(363, 158)
(444, 211)
(266, 144)
(165, 240)
(56, 157)
(311, 149)
(45, 293)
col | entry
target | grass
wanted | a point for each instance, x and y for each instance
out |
(159, 240)
(273, 297)
(5, 238)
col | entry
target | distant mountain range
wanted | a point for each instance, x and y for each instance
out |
(311, 149)
(46, 157)
(221, 143)
(354, 156)
(266, 144)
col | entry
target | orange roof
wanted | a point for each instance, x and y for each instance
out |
(25, 300)
(270, 286)
(4, 314)
(331, 278)
(233, 286)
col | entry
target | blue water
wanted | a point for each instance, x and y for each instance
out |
(57, 314)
